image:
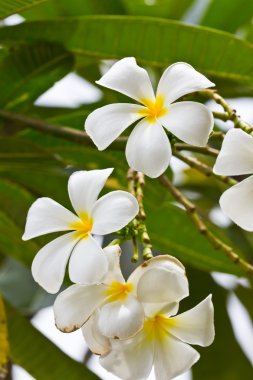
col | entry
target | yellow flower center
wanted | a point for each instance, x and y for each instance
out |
(118, 291)
(158, 326)
(82, 226)
(154, 109)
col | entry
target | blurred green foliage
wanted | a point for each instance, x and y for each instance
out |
(62, 36)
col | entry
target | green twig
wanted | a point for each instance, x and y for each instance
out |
(203, 168)
(229, 111)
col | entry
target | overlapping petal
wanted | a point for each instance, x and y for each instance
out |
(45, 216)
(235, 157)
(127, 77)
(191, 122)
(180, 79)
(113, 211)
(50, 262)
(121, 319)
(84, 188)
(237, 203)
(173, 357)
(167, 262)
(105, 124)
(151, 287)
(74, 306)
(97, 343)
(148, 149)
(130, 359)
(87, 264)
(195, 326)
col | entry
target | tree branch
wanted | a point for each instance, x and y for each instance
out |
(66, 133)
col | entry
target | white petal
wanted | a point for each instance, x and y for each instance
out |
(131, 359)
(127, 77)
(151, 289)
(112, 253)
(105, 124)
(180, 79)
(148, 149)
(84, 188)
(87, 264)
(113, 211)
(195, 326)
(162, 261)
(97, 343)
(173, 357)
(121, 319)
(48, 267)
(45, 216)
(75, 305)
(235, 157)
(237, 203)
(191, 122)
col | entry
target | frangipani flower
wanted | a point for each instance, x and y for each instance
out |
(163, 343)
(236, 158)
(116, 304)
(87, 263)
(148, 149)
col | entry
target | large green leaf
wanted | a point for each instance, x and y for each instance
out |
(152, 41)
(66, 8)
(28, 71)
(37, 355)
(9, 7)
(227, 15)
(172, 232)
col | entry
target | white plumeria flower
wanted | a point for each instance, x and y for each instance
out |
(87, 262)
(163, 343)
(117, 305)
(148, 149)
(236, 158)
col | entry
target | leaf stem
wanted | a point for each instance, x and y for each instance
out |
(202, 227)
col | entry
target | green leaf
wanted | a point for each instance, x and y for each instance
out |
(172, 232)
(28, 71)
(9, 7)
(66, 8)
(227, 15)
(11, 244)
(152, 41)
(37, 355)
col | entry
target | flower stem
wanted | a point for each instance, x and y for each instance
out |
(136, 183)
(202, 227)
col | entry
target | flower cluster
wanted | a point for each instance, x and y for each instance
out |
(133, 325)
